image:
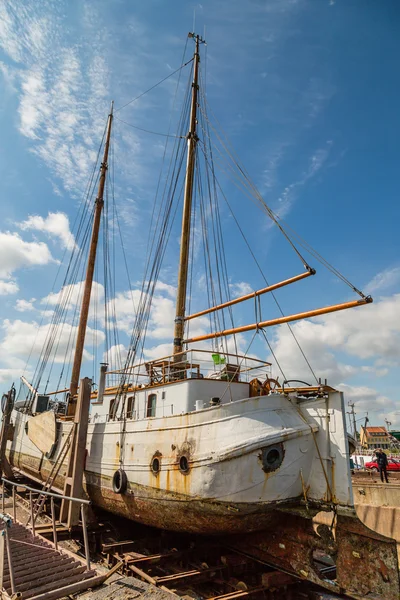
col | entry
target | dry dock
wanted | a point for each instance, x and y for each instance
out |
(150, 563)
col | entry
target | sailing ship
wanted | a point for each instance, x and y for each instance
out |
(201, 440)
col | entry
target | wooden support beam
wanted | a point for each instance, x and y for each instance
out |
(263, 324)
(74, 478)
(265, 290)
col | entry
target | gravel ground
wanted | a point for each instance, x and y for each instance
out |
(127, 588)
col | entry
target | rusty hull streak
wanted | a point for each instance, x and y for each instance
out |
(366, 561)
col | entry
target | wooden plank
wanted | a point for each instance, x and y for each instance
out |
(177, 577)
(114, 569)
(71, 588)
(239, 594)
(55, 571)
(39, 564)
(142, 574)
(116, 545)
(42, 431)
(54, 578)
(154, 558)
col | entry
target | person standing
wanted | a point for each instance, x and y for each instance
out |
(382, 461)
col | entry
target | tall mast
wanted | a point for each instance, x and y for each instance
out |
(187, 206)
(80, 340)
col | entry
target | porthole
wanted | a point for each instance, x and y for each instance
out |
(271, 457)
(155, 465)
(183, 464)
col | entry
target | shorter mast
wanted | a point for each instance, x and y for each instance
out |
(80, 340)
(187, 209)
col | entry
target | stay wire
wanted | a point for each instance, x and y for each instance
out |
(221, 245)
(167, 135)
(76, 233)
(153, 86)
(265, 279)
(256, 193)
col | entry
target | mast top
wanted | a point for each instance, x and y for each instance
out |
(201, 40)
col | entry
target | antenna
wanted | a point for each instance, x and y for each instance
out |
(352, 414)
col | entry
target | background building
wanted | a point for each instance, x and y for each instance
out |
(372, 438)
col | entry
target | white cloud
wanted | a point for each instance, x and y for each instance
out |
(116, 356)
(241, 288)
(369, 332)
(8, 287)
(15, 253)
(24, 305)
(22, 339)
(8, 76)
(9, 376)
(369, 401)
(58, 105)
(388, 278)
(70, 296)
(291, 191)
(166, 287)
(55, 225)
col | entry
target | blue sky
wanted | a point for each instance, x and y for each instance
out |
(308, 95)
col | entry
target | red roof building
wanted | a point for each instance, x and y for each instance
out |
(372, 438)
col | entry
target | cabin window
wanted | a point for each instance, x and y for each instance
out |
(111, 410)
(151, 405)
(130, 407)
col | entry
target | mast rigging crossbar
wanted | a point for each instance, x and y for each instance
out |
(270, 288)
(280, 320)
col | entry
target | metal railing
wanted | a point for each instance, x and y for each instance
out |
(194, 364)
(32, 518)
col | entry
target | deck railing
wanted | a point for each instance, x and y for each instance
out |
(193, 364)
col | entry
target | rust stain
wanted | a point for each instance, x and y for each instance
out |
(117, 451)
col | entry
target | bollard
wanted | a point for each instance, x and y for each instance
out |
(53, 517)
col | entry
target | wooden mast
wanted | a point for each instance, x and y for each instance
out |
(187, 208)
(80, 340)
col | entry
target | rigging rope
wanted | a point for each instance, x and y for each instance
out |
(167, 135)
(154, 86)
(265, 279)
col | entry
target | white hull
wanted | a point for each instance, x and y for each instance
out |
(226, 487)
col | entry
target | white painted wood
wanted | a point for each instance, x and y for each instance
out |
(42, 430)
